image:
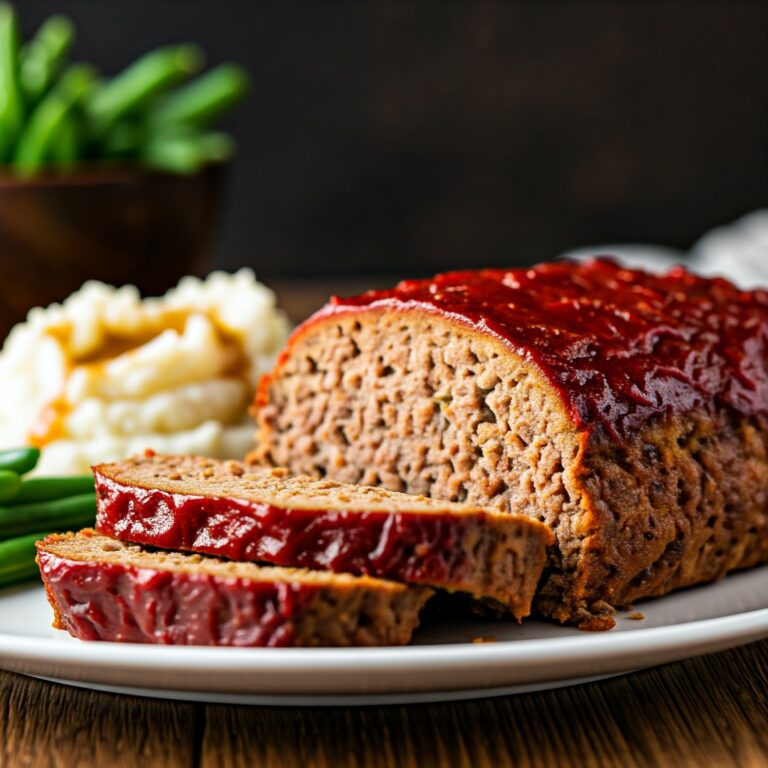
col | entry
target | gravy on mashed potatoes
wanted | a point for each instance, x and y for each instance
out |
(106, 374)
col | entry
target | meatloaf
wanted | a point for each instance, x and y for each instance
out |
(103, 589)
(626, 410)
(221, 508)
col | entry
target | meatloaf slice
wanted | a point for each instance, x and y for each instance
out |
(104, 589)
(626, 410)
(222, 508)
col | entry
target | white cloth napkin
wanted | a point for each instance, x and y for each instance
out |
(738, 251)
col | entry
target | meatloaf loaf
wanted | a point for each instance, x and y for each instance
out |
(103, 589)
(628, 411)
(221, 508)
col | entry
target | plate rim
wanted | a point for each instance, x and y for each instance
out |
(699, 633)
(409, 673)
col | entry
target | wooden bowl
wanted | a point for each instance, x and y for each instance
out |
(116, 225)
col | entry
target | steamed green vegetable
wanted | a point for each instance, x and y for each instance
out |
(10, 484)
(17, 558)
(182, 152)
(65, 144)
(123, 139)
(11, 108)
(32, 507)
(42, 57)
(49, 119)
(59, 514)
(49, 488)
(203, 100)
(56, 115)
(141, 82)
(19, 460)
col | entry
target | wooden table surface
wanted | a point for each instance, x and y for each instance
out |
(710, 711)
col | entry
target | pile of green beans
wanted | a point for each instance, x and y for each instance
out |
(55, 115)
(33, 507)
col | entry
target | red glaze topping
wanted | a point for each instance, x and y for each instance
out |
(619, 345)
(420, 548)
(107, 601)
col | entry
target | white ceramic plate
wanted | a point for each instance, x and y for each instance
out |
(443, 663)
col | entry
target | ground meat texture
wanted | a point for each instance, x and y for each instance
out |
(423, 402)
(224, 509)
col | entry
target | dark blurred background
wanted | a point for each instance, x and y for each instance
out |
(417, 136)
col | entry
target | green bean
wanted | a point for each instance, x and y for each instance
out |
(185, 152)
(10, 483)
(11, 107)
(75, 511)
(49, 488)
(202, 100)
(19, 460)
(65, 144)
(43, 56)
(141, 82)
(17, 558)
(45, 122)
(134, 115)
(123, 138)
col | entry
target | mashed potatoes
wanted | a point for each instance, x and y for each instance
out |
(107, 374)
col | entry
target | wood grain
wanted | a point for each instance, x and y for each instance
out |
(43, 724)
(710, 711)
(706, 711)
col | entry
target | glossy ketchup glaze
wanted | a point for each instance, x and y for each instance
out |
(619, 345)
(115, 602)
(424, 548)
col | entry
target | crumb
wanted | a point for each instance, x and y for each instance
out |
(635, 616)
(207, 472)
(174, 476)
(234, 468)
(484, 639)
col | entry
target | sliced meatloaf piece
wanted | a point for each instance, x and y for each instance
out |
(222, 508)
(626, 410)
(104, 589)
